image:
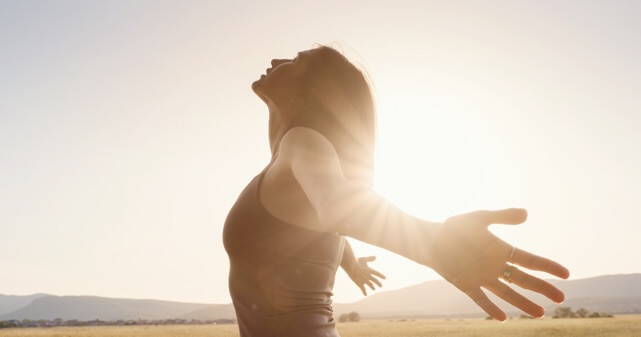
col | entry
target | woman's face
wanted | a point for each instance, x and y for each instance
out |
(279, 85)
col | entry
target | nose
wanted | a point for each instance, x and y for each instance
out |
(276, 62)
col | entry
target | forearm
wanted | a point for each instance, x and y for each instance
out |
(348, 258)
(360, 212)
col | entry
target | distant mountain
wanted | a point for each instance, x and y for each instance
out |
(93, 307)
(627, 285)
(612, 293)
(10, 303)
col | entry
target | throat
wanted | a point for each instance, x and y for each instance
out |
(277, 130)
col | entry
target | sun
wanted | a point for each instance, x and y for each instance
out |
(430, 165)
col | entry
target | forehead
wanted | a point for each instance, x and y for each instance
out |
(305, 53)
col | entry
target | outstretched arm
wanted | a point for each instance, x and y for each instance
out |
(461, 249)
(345, 206)
(359, 271)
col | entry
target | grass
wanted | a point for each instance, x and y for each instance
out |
(620, 326)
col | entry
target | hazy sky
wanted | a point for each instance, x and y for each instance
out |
(128, 128)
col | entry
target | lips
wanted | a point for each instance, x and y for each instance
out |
(269, 70)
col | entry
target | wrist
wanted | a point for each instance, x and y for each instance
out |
(422, 251)
(432, 236)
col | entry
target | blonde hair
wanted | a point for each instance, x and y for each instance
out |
(338, 102)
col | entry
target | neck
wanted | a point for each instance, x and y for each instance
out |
(277, 129)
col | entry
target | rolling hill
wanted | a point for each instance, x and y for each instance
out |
(92, 307)
(611, 293)
(10, 303)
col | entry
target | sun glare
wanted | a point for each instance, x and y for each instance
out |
(427, 163)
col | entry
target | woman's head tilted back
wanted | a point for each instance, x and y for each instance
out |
(322, 90)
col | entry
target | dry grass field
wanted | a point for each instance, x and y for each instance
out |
(621, 326)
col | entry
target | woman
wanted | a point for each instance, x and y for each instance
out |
(285, 234)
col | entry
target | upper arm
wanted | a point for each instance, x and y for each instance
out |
(315, 165)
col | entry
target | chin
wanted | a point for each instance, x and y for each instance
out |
(258, 90)
(257, 84)
(258, 87)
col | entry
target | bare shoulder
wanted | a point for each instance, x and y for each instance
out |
(309, 156)
(304, 174)
(304, 142)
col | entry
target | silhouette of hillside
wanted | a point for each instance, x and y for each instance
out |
(10, 303)
(611, 293)
(93, 307)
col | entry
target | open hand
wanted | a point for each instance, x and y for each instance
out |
(470, 257)
(363, 275)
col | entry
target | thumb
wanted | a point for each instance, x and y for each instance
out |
(508, 216)
(367, 259)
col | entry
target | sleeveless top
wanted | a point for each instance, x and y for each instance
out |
(281, 276)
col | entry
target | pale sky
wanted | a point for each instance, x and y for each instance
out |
(128, 129)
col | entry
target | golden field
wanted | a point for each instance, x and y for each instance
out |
(620, 326)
